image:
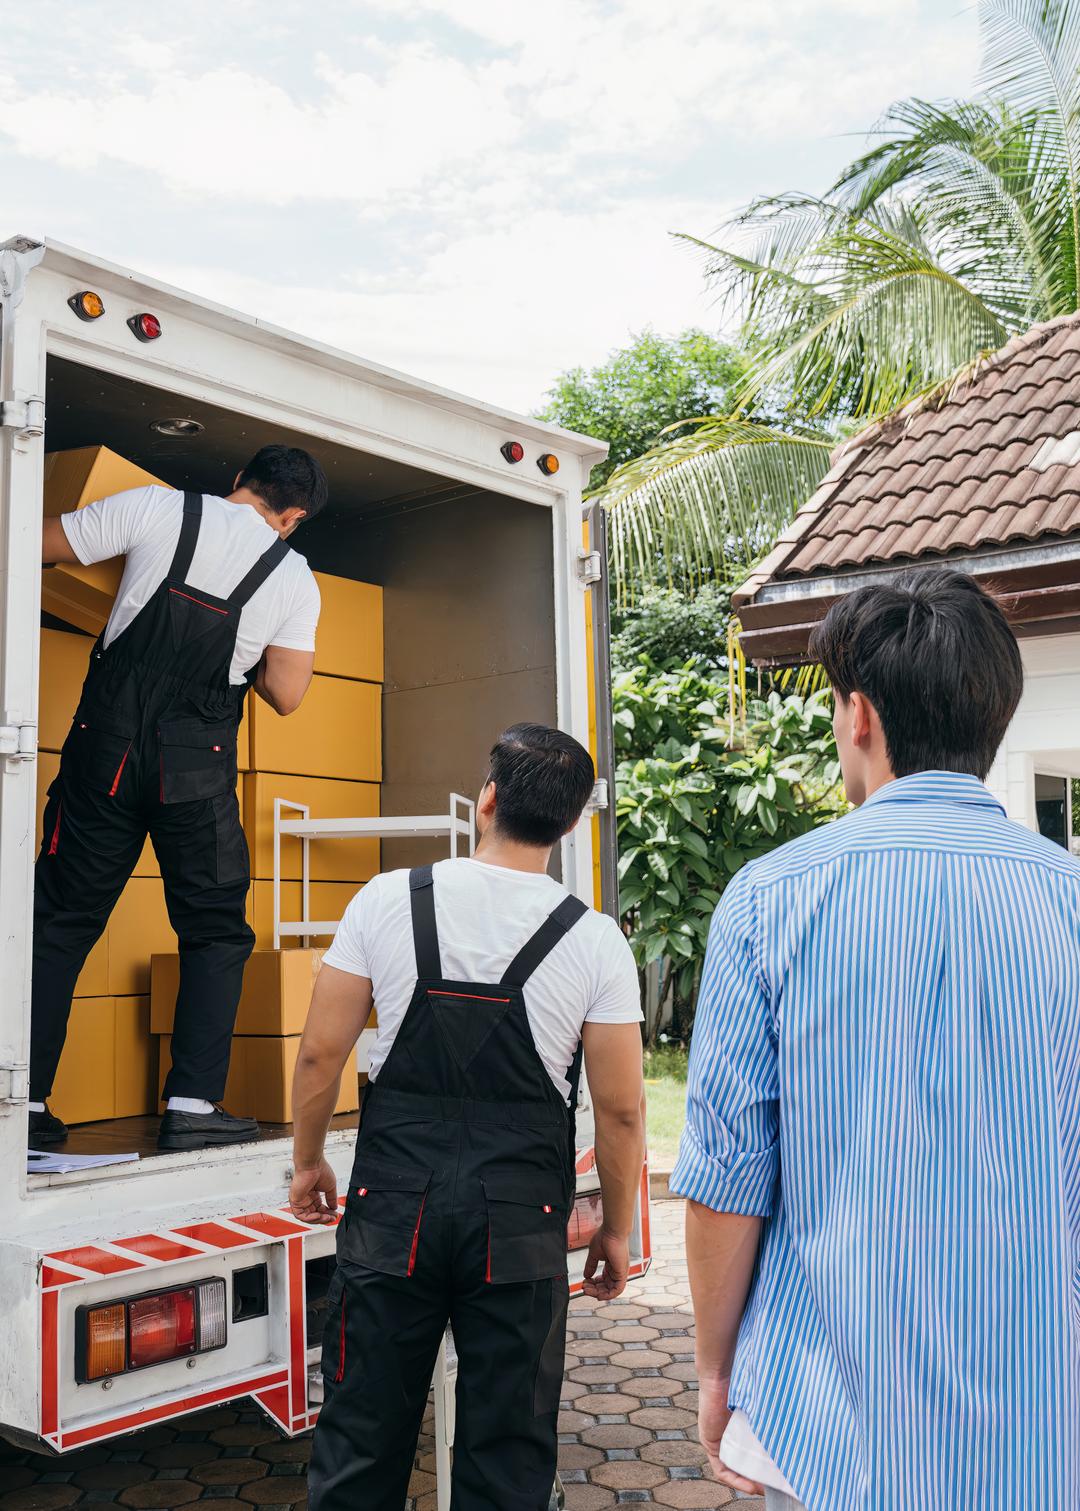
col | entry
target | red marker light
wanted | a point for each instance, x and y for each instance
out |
(548, 464)
(145, 327)
(87, 305)
(513, 451)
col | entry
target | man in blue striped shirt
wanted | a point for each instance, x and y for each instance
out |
(882, 1151)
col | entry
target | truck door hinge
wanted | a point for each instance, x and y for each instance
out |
(599, 799)
(14, 1083)
(18, 742)
(590, 568)
(25, 416)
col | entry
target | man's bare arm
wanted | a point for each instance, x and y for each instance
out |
(55, 546)
(613, 1066)
(721, 1251)
(340, 1009)
(284, 677)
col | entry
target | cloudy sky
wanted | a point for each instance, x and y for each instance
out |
(480, 192)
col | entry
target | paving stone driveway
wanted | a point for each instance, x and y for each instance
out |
(627, 1429)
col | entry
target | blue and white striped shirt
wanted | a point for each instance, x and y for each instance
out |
(886, 1066)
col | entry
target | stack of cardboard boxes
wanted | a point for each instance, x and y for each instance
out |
(326, 755)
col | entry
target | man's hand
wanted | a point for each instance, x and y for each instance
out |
(615, 1255)
(713, 1417)
(313, 1194)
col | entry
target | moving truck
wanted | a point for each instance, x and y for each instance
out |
(136, 1291)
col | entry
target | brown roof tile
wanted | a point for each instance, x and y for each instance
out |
(951, 476)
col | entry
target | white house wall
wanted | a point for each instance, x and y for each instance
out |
(1045, 732)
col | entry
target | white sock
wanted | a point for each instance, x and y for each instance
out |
(188, 1104)
(36, 1106)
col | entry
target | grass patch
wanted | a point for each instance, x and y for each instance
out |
(665, 1098)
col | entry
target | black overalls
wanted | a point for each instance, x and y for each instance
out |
(152, 750)
(457, 1212)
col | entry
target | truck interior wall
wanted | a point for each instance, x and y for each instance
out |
(469, 631)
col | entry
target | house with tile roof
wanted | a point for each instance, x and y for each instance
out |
(984, 479)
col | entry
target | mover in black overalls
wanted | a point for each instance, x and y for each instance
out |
(152, 750)
(457, 1212)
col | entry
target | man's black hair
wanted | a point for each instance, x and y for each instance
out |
(543, 779)
(285, 477)
(936, 657)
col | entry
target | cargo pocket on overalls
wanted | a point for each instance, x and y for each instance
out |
(547, 1388)
(197, 760)
(526, 1226)
(385, 1211)
(233, 859)
(333, 1349)
(96, 751)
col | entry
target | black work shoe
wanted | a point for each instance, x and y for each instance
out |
(43, 1128)
(204, 1130)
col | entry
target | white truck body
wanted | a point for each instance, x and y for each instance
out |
(73, 1239)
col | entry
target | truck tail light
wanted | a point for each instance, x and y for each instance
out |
(586, 1216)
(548, 464)
(145, 327)
(87, 305)
(106, 1341)
(150, 1329)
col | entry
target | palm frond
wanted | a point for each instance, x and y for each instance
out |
(709, 501)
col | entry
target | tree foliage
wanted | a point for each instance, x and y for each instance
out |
(640, 390)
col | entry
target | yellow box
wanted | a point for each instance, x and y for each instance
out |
(329, 899)
(351, 860)
(85, 1087)
(81, 595)
(260, 1078)
(275, 999)
(136, 1059)
(336, 732)
(349, 642)
(64, 660)
(139, 928)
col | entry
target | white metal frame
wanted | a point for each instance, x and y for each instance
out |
(429, 825)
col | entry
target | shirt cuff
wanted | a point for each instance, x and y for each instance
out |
(743, 1182)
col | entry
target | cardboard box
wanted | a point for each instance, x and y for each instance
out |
(275, 999)
(136, 1080)
(336, 732)
(351, 860)
(260, 1078)
(80, 595)
(85, 1086)
(139, 928)
(65, 657)
(329, 899)
(349, 642)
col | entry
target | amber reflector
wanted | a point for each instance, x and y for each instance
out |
(548, 463)
(106, 1340)
(87, 305)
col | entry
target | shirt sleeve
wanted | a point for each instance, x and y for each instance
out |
(111, 526)
(729, 1156)
(349, 951)
(617, 992)
(296, 632)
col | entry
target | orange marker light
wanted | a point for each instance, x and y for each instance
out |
(87, 305)
(548, 464)
(106, 1341)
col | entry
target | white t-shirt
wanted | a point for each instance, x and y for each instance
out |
(484, 915)
(741, 1450)
(143, 524)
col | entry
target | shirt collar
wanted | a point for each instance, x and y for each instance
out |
(936, 786)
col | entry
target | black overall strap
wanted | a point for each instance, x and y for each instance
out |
(189, 537)
(540, 946)
(253, 581)
(425, 934)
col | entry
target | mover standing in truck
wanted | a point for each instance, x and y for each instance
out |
(487, 976)
(212, 601)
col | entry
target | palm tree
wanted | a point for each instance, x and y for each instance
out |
(957, 229)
